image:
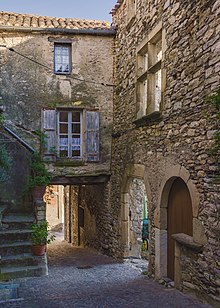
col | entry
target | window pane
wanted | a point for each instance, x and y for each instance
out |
(75, 128)
(146, 62)
(76, 153)
(62, 58)
(75, 116)
(145, 95)
(64, 128)
(158, 90)
(63, 153)
(63, 142)
(64, 116)
(63, 146)
(158, 50)
(76, 142)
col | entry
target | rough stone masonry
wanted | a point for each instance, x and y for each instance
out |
(177, 142)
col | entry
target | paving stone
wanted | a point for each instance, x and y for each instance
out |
(81, 277)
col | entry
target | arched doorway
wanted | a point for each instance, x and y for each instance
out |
(138, 236)
(180, 219)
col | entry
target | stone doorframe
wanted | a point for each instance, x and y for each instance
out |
(160, 221)
(131, 171)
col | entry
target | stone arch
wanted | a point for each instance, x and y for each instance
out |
(134, 171)
(171, 174)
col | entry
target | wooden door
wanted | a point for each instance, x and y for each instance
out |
(179, 219)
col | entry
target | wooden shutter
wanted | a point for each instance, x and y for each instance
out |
(49, 129)
(92, 136)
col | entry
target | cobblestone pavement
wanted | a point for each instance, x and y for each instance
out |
(81, 278)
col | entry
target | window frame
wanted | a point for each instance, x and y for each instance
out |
(147, 70)
(70, 133)
(69, 46)
(89, 134)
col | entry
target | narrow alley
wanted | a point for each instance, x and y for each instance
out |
(80, 277)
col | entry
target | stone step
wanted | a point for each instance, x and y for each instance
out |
(10, 236)
(18, 217)
(13, 272)
(21, 260)
(15, 248)
(17, 221)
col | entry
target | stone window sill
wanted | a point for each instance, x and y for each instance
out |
(153, 117)
(187, 241)
(69, 163)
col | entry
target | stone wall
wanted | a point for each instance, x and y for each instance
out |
(98, 221)
(27, 87)
(136, 194)
(14, 184)
(54, 199)
(184, 134)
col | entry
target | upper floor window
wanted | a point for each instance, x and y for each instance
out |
(149, 74)
(71, 133)
(62, 58)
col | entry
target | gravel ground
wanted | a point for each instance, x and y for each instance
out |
(80, 277)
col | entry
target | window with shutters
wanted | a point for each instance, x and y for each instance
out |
(62, 58)
(149, 74)
(71, 134)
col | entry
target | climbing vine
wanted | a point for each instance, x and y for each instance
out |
(215, 150)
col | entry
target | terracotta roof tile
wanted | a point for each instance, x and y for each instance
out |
(44, 22)
(116, 7)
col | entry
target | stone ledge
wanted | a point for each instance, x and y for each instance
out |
(148, 119)
(187, 241)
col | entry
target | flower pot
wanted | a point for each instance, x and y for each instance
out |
(38, 250)
(38, 192)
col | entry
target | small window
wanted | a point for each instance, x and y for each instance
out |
(149, 75)
(62, 54)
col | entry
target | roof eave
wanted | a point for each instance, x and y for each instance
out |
(97, 32)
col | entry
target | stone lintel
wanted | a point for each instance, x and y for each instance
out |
(187, 241)
(81, 180)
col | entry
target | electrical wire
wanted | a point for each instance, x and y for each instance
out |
(51, 70)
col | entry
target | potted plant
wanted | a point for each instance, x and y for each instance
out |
(40, 238)
(39, 178)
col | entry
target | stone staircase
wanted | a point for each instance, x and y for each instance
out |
(17, 260)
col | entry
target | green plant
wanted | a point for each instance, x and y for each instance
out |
(40, 234)
(39, 174)
(1, 119)
(214, 99)
(42, 137)
(5, 163)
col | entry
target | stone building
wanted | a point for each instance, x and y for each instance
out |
(157, 152)
(166, 64)
(56, 94)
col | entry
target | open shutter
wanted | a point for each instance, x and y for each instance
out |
(49, 129)
(92, 136)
